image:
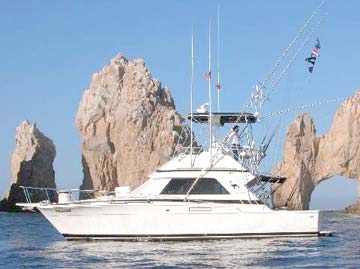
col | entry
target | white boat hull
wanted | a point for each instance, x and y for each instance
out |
(177, 221)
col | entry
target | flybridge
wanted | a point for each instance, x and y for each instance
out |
(222, 118)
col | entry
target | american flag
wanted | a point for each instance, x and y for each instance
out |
(315, 52)
(208, 75)
(218, 86)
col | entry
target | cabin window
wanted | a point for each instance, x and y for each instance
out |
(202, 186)
(178, 186)
(208, 186)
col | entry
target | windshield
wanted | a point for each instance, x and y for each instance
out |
(202, 186)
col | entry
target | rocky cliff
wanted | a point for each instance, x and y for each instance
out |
(128, 126)
(310, 159)
(31, 165)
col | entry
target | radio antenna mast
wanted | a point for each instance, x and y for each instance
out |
(218, 85)
(191, 94)
(209, 90)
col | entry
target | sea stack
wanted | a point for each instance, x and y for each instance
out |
(31, 165)
(128, 126)
(310, 159)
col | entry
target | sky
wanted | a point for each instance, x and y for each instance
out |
(50, 49)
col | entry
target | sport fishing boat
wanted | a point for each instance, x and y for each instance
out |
(209, 192)
(199, 194)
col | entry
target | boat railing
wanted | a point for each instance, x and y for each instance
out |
(53, 195)
(38, 194)
(187, 150)
(246, 155)
(264, 186)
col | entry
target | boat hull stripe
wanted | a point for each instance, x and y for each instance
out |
(199, 201)
(184, 236)
(195, 201)
(201, 170)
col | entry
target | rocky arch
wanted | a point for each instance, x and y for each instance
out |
(310, 159)
(334, 193)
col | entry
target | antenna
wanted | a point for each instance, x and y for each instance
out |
(191, 95)
(218, 85)
(209, 89)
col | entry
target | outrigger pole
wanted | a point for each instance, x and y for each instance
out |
(209, 89)
(218, 85)
(191, 95)
(258, 96)
(292, 43)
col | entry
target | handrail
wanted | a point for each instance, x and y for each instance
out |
(62, 190)
(46, 191)
(28, 195)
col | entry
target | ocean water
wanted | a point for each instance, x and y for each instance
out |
(29, 241)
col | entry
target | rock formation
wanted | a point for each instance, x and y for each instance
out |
(31, 165)
(354, 209)
(310, 159)
(128, 126)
